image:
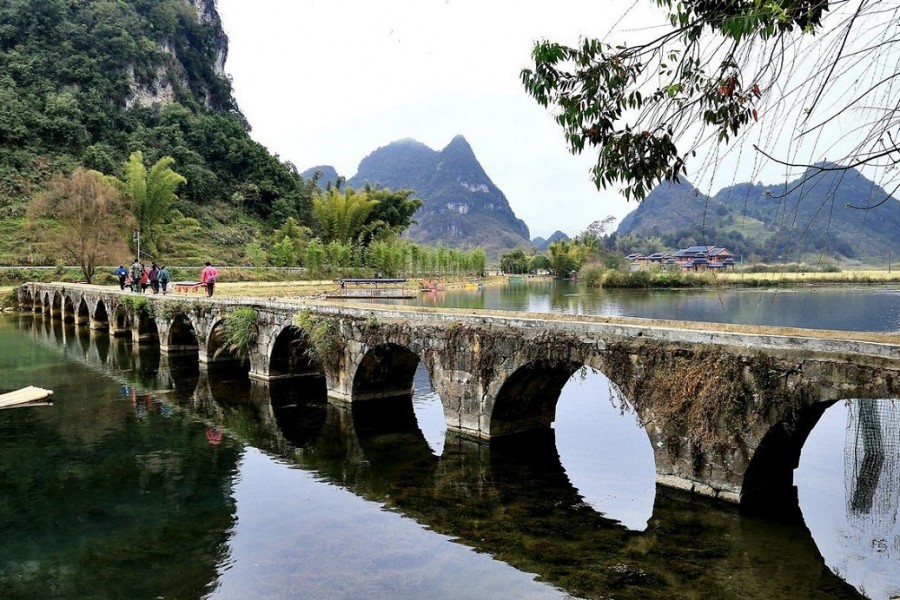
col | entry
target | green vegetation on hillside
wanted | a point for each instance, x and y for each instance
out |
(88, 83)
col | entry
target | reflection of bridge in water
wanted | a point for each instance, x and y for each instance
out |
(511, 499)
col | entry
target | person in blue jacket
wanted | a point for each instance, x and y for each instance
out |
(122, 274)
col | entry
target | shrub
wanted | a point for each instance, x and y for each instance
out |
(240, 331)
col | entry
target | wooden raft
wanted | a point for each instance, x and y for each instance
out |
(29, 396)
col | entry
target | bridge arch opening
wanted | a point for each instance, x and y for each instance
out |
(123, 320)
(56, 306)
(101, 316)
(386, 371)
(46, 303)
(527, 400)
(28, 300)
(601, 443)
(146, 326)
(768, 484)
(218, 350)
(182, 336)
(68, 313)
(83, 316)
(848, 492)
(290, 355)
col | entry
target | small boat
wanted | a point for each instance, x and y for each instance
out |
(27, 396)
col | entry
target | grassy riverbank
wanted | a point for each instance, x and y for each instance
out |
(653, 278)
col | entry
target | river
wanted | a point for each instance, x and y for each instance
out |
(153, 478)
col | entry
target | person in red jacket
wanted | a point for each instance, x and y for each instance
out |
(208, 277)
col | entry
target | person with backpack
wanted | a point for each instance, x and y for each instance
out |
(137, 271)
(164, 279)
(208, 278)
(153, 276)
(122, 274)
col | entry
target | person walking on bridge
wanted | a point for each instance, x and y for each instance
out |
(153, 276)
(208, 278)
(122, 274)
(164, 278)
(137, 271)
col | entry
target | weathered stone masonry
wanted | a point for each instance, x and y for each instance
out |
(726, 409)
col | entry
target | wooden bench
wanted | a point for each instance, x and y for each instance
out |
(188, 287)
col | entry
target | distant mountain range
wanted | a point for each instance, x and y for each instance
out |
(541, 244)
(462, 206)
(813, 214)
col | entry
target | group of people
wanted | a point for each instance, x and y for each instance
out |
(140, 278)
(158, 278)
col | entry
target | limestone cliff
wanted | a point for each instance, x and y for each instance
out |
(185, 62)
(462, 206)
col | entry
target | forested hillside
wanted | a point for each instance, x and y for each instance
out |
(86, 83)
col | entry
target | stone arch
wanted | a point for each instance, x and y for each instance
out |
(289, 356)
(83, 314)
(46, 303)
(26, 299)
(56, 305)
(122, 322)
(182, 336)
(68, 312)
(527, 399)
(144, 327)
(100, 320)
(769, 478)
(385, 371)
(216, 348)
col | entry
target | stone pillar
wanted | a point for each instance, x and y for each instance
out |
(461, 395)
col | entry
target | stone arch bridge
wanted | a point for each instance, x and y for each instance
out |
(726, 408)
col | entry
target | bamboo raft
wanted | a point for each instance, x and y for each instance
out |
(28, 396)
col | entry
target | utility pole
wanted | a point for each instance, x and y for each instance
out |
(137, 241)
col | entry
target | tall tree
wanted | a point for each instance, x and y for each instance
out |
(93, 217)
(151, 193)
(796, 66)
(564, 257)
(341, 217)
(392, 215)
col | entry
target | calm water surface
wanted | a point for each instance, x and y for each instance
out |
(848, 309)
(153, 478)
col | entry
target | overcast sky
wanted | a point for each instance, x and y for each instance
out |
(326, 82)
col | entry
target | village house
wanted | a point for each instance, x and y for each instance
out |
(694, 258)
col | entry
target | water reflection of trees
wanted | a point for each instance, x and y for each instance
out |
(97, 503)
(872, 492)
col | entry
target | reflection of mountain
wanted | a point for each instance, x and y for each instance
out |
(872, 493)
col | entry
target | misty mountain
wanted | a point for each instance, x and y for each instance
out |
(462, 206)
(541, 244)
(830, 213)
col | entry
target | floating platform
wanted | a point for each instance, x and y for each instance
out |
(364, 296)
(367, 289)
(28, 396)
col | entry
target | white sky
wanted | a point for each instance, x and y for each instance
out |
(326, 82)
